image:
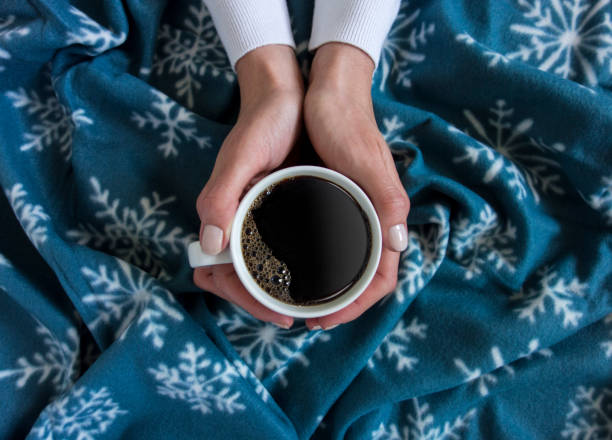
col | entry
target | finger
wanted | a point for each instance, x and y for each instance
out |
(203, 278)
(218, 201)
(388, 196)
(229, 283)
(384, 281)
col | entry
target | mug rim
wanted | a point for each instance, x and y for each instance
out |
(314, 310)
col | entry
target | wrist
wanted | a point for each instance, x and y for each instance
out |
(268, 69)
(342, 66)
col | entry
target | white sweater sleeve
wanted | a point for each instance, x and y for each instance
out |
(244, 25)
(361, 23)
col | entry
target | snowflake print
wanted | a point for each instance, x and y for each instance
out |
(473, 244)
(427, 246)
(58, 364)
(602, 200)
(139, 236)
(403, 46)
(567, 37)
(79, 415)
(205, 385)
(92, 35)
(4, 261)
(494, 57)
(8, 32)
(550, 286)
(607, 345)
(265, 347)
(175, 123)
(246, 373)
(32, 217)
(192, 53)
(510, 155)
(590, 414)
(419, 425)
(393, 136)
(483, 381)
(53, 123)
(395, 345)
(128, 295)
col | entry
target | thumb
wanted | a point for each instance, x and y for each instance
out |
(391, 203)
(218, 202)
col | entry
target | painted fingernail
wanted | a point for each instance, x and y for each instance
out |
(283, 325)
(212, 239)
(316, 327)
(332, 327)
(398, 237)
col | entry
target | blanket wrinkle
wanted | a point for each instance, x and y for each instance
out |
(498, 118)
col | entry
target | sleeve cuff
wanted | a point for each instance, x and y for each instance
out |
(361, 23)
(244, 25)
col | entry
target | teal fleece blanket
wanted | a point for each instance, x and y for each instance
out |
(499, 116)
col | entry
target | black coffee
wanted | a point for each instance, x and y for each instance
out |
(305, 240)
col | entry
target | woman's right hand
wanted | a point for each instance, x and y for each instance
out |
(269, 122)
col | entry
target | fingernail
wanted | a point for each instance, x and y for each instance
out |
(212, 239)
(332, 327)
(283, 325)
(398, 237)
(316, 327)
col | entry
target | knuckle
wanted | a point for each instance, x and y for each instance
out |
(395, 200)
(209, 203)
(391, 285)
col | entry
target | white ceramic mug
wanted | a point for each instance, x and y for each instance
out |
(233, 253)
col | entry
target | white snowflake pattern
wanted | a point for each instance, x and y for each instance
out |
(567, 37)
(205, 385)
(53, 123)
(32, 217)
(590, 415)
(93, 36)
(483, 381)
(419, 425)
(4, 261)
(192, 53)
(403, 46)
(57, 365)
(8, 32)
(246, 373)
(140, 236)
(554, 288)
(494, 57)
(264, 346)
(395, 345)
(607, 345)
(602, 200)
(473, 244)
(128, 295)
(426, 249)
(79, 415)
(392, 132)
(175, 123)
(511, 155)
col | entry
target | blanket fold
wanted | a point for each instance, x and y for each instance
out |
(499, 118)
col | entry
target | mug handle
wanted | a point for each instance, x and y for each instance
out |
(197, 258)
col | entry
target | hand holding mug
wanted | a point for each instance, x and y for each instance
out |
(271, 98)
(340, 121)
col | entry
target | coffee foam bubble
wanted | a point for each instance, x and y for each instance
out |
(271, 274)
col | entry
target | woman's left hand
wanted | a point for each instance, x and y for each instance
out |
(340, 121)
